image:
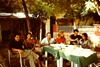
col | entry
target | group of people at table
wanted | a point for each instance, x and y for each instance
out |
(27, 47)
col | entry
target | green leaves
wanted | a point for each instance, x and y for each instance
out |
(89, 7)
(41, 9)
(44, 8)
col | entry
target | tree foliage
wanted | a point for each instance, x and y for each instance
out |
(44, 8)
(69, 8)
(41, 9)
(97, 6)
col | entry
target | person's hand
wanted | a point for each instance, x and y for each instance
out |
(85, 46)
(76, 39)
(21, 51)
(74, 43)
(42, 45)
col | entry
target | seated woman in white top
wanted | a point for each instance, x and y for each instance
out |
(84, 41)
(47, 40)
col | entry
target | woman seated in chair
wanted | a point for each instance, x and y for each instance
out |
(17, 46)
(30, 44)
(85, 42)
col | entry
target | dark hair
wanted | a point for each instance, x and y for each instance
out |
(61, 31)
(85, 34)
(27, 34)
(48, 33)
(58, 35)
(76, 30)
(16, 34)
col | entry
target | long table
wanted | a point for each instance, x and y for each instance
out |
(52, 51)
(55, 53)
(80, 61)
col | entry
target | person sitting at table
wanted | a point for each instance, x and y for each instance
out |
(61, 38)
(30, 44)
(74, 38)
(16, 45)
(47, 40)
(84, 41)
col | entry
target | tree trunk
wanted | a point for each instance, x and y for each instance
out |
(27, 17)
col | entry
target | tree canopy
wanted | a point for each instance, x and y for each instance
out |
(44, 8)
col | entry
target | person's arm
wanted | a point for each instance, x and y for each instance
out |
(13, 48)
(54, 41)
(43, 43)
(33, 48)
(25, 44)
(78, 43)
(70, 39)
(90, 40)
(73, 39)
(17, 50)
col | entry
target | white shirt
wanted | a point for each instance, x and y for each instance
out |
(45, 41)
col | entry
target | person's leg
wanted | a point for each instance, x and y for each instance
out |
(39, 63)
(34, 55)
(31, 56)
(30, 52)
(31, 61)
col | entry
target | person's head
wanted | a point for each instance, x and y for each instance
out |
(84, 36)
(17, 37)
(29, 35)
(75, 32)
(61, 33)
(48, 35)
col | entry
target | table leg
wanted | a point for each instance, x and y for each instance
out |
(61, 62)
(90, 65)
(46, 62)
(58, 63)
(72, 64)
(75, 65)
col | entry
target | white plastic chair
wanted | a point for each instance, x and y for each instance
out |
(15, 58)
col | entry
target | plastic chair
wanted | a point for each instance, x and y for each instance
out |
(21, 60)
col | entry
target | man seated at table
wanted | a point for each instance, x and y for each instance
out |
(47, 40)
(74, 38)
(16, 45)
